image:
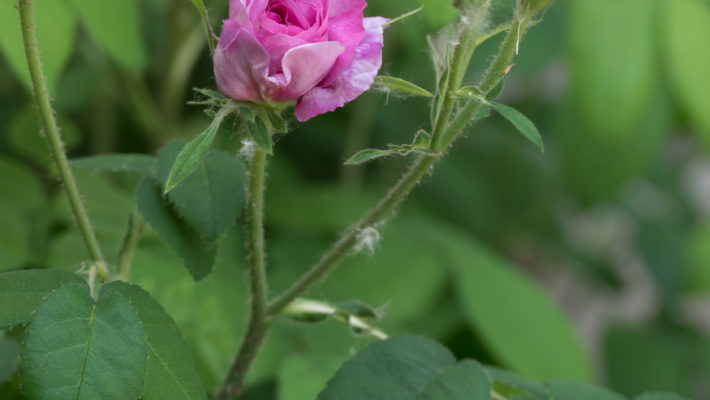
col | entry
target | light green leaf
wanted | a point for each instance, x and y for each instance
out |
(580, 391)
(687, 27)
(521, 123)
(260, 133)
(465, 380)
(366, 155)
(395, 369)
(116, 27)
(492, 293)
(210, 198)
(21, 292)
(613, 62)
(55, 34)
(190, 156)
(390, 83)
(115, 163)
(197, 256)
(79, 348)
(170, 370)
(659, 396)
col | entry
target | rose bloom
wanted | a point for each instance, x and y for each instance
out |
(318, 53)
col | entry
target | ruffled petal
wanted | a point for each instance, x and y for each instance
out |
(345, 25)
(240, 63)
(356, 79)
(303, 68)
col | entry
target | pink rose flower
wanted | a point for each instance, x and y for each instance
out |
(318, 53)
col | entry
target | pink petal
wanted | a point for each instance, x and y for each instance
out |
(240, 63)
(303, 68)
(345, 25)
(356, 79)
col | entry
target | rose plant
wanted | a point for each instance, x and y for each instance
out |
(95, 335)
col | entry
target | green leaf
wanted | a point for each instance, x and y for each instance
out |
(116, 27)
(190, 156)
(497, 90)
(395, 369)
(170, 370)
(366, 155)
(390, 83)
(21, 292)
(465, 380)
(521, 123)
(140, 163)
(260, 133)
(659, 396)
(580, 391)
(56, 30)
(79, 348)
(613, 62)
(210, 198)
(687, 27)
(197, 256)
(15, 236)
(492, 293)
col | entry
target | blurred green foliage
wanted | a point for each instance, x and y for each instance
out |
(586, 258)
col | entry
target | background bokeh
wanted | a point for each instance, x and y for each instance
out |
(589, 262)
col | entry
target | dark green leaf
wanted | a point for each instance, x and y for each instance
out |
(78, 348)
(260, 133)
(193, 152)
(56, 29)
(115, 163)
(197, 256)
(687, 27)
(116, 27)
(21, 292)
(492, 293)
(170, 370)
(659, 396)
(521, 122)
(395, 369)
(465, 380)
(366, 155)
(580, 391)
(210, 198)
(390, 83)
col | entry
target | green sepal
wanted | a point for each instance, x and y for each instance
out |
(260, 133)
(401, 86)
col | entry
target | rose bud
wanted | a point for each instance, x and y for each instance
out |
(319, 54)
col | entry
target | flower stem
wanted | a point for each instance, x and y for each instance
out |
(258, 321)
(49, 125)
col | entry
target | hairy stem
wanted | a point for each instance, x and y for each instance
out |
(258, 320)
(54, 140)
